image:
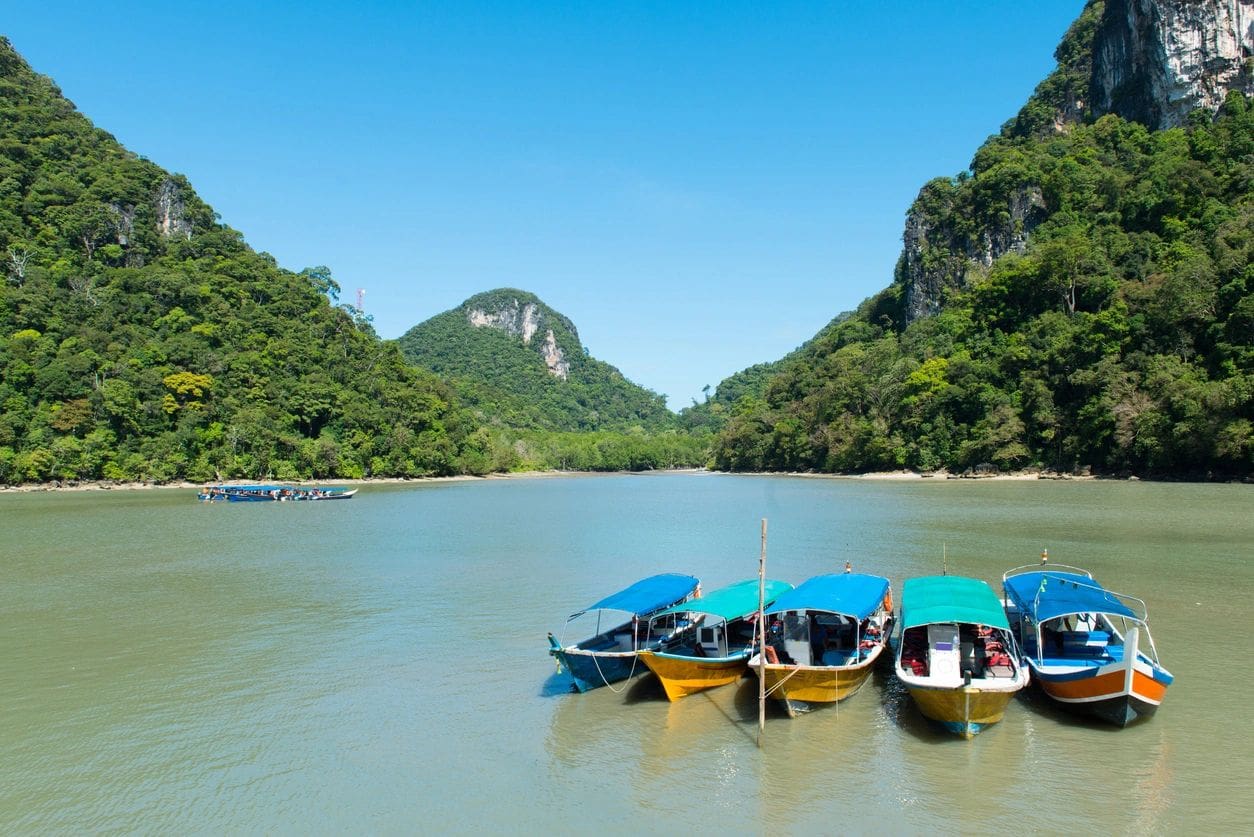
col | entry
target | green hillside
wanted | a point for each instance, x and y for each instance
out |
(142, 339)
(1081, 297)
(523, 366)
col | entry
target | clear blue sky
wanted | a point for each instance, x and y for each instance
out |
(699, 186)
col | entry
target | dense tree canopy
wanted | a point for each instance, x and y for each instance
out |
(503, 374)
(142, 339)
(1121, 337)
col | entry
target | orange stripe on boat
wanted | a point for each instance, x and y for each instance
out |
(1148, 688)
(1103, 685)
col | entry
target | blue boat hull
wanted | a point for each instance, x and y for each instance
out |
(592, 671)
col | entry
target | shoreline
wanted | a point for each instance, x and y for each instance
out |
(874, 476)
(106, 485)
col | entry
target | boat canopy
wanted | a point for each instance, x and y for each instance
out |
(647, 594)
(1048, 594)
(950, 598)
(731, 602)
(852, 594)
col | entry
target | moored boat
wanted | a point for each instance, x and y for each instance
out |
(957, 656)
(1089, 648)
(718, 649)
(622, 629)
(272, 493)
(824, 638)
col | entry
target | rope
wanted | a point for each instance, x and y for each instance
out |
(775, 688)
(634, 659)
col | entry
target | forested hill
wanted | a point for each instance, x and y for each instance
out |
(521, 364)
(1081, 297)
(142, 339)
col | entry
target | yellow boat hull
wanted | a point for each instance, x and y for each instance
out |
(682, 676)
(814, 684)
(964, 709)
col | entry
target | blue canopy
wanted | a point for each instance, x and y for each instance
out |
(852, 594)
(1049, 594)
(648, 594)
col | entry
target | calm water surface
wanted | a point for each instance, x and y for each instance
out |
(379, 665)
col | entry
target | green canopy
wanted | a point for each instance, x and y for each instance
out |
(950, 598)
(730, 602)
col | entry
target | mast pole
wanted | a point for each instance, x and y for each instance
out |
(762, 637)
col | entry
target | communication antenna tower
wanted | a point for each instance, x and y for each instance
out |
(361, 299)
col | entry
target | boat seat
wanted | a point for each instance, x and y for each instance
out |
(1084, 637)
(835, 657)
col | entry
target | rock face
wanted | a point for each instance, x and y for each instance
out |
(1154, 61)
(934, 257)
(524, 320)
(171, 213)
(554, 358)
(515, 318)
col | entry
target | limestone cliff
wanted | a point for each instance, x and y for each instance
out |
(172, 218)
(1155, 61)
(518, 318)
(1150, 61)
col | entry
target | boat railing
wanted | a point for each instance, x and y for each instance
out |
(1044, 568)
(1140, 612)
(1137, 606)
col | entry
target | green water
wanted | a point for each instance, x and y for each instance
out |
(379, 665)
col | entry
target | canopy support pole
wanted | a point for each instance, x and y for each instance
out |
(762, 637)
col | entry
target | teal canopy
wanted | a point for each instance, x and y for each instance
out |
(950, 598)
(851, 594)
(730, 602)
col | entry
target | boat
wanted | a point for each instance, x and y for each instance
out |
(622, 630)
(824, 638)
(272, 493)
(718, 650)
(957, 656)
(1089, 648)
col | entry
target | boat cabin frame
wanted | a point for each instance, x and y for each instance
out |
(1074, 630)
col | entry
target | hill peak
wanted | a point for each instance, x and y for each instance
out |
(522, 363)
(523, 315)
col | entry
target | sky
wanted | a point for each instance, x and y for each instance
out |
(698, 186)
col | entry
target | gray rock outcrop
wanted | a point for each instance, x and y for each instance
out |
(1155, 61)
(524, 321)
(172, 219)
(516, 319)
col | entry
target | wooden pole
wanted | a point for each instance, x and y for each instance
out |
(762, 637)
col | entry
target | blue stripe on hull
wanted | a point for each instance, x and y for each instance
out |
(965, 729)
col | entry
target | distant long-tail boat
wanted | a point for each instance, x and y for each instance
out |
(272, 493)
